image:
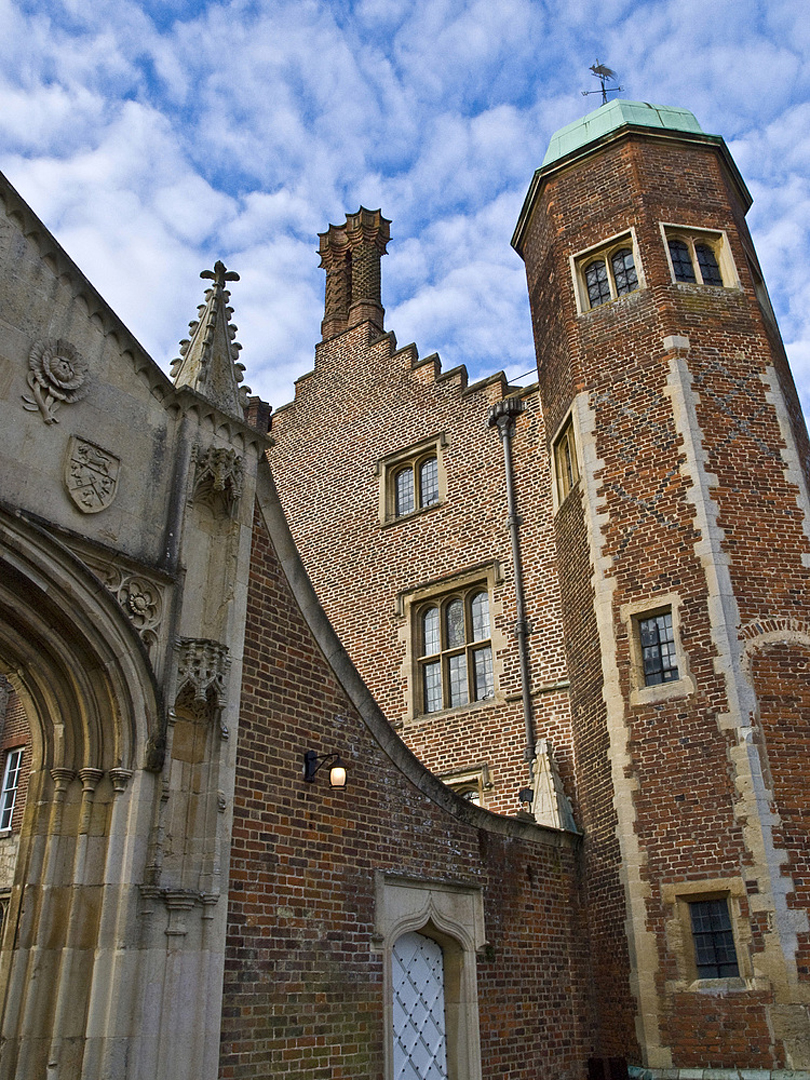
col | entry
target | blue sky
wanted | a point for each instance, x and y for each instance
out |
(154, 138)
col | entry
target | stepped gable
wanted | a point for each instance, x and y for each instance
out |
(209, 359)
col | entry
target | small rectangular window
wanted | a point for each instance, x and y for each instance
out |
(566, 470)
(699, 257)
(658, 652)
(8, 790)
(715, 954)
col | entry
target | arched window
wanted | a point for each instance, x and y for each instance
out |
(697, 259)
(403, 492)
(624, 271)
(416, 486)
(681, 261)
(709, 270)
(596, 278)
(428, 482)
(607, 274)
(455, 651)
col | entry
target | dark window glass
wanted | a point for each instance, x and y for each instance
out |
(658, 649)
(624, 271)
(715, 955)
(709, 270)
(681, 261)
(596, 279)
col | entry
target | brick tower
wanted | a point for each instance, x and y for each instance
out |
(682, 526)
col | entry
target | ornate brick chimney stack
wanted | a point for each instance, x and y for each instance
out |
(350, 255)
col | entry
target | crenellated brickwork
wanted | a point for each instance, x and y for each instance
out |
(367, 400)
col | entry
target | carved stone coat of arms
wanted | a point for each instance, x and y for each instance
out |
(91, 475)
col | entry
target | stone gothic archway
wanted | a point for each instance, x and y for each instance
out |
(69, 968)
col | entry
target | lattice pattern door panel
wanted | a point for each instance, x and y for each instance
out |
(420, 1035)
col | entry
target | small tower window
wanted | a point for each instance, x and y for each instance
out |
(624, 271)
(715, 955)
(596, 277)
(605, 275)
(709, 270)
(658, 651)
(699, 258)
(681, 261)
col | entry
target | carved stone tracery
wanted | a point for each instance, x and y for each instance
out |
(219, 478)
(140, 598)
(203, 673)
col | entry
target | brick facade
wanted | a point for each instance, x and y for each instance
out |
(304, 974)
(692, 497)
(367, 399)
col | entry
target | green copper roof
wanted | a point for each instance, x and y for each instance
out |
(614, 115)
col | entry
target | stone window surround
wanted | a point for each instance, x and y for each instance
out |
(716, 239)
(387, 467)
(565, 437)
(677, 897)
(604, 249)
(463, 781)
(452, 914)
(631, 615)
(488, 576)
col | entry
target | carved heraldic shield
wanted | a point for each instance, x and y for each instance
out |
(91, 475)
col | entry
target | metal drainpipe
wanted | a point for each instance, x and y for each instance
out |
(502, 415)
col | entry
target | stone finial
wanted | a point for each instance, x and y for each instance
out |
(350, 255)
(209, 359)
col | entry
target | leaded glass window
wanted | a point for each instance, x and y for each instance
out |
(454, 653)
(658, 651)
(715, 955)
(707, 261)
(429, 482)
(681, 261)
(416, 486)
(596, 279)
(624, 271)
(403, 492)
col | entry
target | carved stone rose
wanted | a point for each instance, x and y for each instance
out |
(57, 373)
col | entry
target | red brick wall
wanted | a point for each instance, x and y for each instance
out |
(303, 980)
(15, 733)
(684, 798)
(783, 694)
(365, 400)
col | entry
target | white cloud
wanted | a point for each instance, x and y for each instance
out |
(156, 136)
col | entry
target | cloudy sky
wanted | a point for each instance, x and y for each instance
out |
(153, 138)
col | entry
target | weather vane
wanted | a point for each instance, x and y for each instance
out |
(602, 72)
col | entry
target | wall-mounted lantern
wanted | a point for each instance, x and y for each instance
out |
(337, 770)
